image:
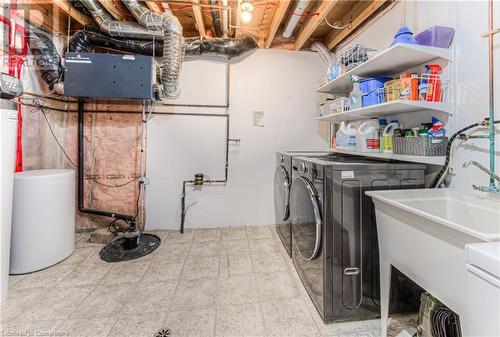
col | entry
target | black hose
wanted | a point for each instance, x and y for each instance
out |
(444, 169)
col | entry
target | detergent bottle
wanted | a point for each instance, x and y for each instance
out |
(388, 135)
(367, 137)
(356, 94)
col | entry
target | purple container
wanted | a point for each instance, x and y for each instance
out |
(436, 36)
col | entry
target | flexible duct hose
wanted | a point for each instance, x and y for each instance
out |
(173, 52)
(84, 41)
(46, 56)
(323, 52)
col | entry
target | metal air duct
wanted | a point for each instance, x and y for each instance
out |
(323, 52)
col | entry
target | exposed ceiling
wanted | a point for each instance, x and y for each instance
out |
(196, 16)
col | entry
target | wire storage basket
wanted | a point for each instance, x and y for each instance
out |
(335, 106)
(352, 56)
(424, 87)
(420, 146)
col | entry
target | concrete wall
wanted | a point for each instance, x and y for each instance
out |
(279, 83)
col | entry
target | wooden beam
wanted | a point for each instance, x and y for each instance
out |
(43, 14)
(313, 23)
(155, 6)
(198, 17)
(109, 5)
(66, 7)
(278, 16)
(334, 38)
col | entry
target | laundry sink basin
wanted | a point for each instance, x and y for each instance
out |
(423, 233)
(473, 213)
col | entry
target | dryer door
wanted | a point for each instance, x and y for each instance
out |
(281, 194)
(305, 218)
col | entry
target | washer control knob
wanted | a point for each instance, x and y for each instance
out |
(282, 158)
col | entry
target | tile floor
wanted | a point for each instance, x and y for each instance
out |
(230, 282)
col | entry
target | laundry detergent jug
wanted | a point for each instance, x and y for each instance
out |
(346, 136)
(367, 137)
(388, 135)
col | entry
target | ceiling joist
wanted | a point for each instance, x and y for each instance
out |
(313, 23)
(279, 14)
(336, 37)
(198, 17)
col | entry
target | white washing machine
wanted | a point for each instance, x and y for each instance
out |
(8, 132)
(483, 289)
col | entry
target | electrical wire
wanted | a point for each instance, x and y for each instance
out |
(44, 111)
(336, 26)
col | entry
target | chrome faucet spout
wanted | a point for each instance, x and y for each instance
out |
(482, 168)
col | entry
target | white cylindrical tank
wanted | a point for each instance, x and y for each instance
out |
(43, 219)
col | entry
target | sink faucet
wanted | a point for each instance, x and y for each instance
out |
(488, 172)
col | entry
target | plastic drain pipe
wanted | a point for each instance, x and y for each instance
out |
(132, 236)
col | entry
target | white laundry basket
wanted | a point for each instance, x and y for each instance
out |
(43, 219)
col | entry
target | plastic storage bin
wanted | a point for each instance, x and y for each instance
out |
(420, 146)
(43, 219)
(436, 36)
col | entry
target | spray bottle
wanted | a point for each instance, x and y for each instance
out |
(434, 86)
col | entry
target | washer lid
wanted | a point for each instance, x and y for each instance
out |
(485, 256)
(43, 174)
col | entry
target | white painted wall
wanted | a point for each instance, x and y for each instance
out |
(469, 18)
(280, 83)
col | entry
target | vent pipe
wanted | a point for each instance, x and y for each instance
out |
(323, 52)
(295, 18)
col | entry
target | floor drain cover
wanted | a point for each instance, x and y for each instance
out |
(114, 251)
(165, 332)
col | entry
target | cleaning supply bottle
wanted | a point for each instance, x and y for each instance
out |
(434, 85)
(382, 123)
(356, 94)
(388, 136)
(367, 137)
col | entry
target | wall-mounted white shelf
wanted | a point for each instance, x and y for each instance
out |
(401, 157)
(389, 108)
(391, 61)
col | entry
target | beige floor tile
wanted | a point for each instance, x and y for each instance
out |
(85, 275)
(192, 323)
(259, 232)
(235, 265)
(161, 234)
(97, 327)
(14, 280)
(204, 235)
(143, 325)
(197, 294)
(288, 319)
(276, 286)
(235, 247)
(47, 278)
(263, 246)
(234, 233)
(105, 301)
(204, 249)
(151, 297)
(266, 263)
(164, 270)
(237, 290)
(31, 328)
(177, 237)
(201, 268)
(244, 320)
(80, 255)
(126, 272)
(169, 250)
(18, 301)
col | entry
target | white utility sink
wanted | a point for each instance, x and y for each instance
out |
(423, 233)
(473, 213)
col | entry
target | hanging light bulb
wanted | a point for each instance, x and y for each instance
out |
(246, 16)
(246, 6)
